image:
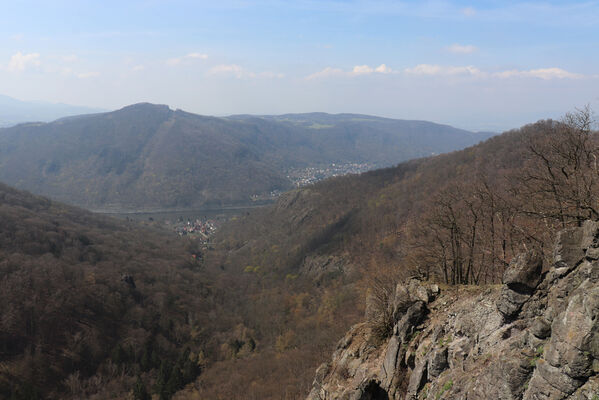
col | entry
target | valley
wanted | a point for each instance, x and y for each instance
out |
(202, 302)
(147, 157)
(299, 200)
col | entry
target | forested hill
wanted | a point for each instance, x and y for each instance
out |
(95, 307)
(89, 302)
(150, 157)
(118, 310)
(456, 217)
(382, 141)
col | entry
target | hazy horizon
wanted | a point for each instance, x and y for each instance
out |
(485, 65)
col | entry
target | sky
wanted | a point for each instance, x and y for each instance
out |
(480, 65)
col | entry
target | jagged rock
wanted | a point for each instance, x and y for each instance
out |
(317, 267)
(588, 391)
(524, 272)
(572, 244)
(520, 279)
(541, 328)
(511, 302)
(467, 343)
(413, 316)
(390, 361)
(549, 382)
(410, 292)
(438, 363)
(575, 334)
(417, 379)
(418, 291)
(401, 301)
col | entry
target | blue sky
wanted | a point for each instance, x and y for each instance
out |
(477, 65)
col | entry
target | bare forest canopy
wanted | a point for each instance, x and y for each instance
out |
(456, 218)
(149, 157)
(93, 306)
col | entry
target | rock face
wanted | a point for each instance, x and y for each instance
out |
(520, 280)
(536, 337)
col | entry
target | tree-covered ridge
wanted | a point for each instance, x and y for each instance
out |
(457, 217)
(91, 305)
(268, 299)
(94, 307)
(150, 157)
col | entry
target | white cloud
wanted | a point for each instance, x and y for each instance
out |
(362, 70)
(428, 69)
(19, 61)
(231, 69)
(541, 73)
(356, 70)
(138, 68)
(445, 70)
(239, 72)
(424, 69)
(461, 49)
(86, 75)
(190, 56)
(383, 69)
(367, 70)
(325, 73)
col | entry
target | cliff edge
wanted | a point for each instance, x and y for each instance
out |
(535, 337)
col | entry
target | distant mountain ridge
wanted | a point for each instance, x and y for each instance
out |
(147, 156)
(13, 111)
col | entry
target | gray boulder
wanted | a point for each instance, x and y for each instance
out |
(520, 280)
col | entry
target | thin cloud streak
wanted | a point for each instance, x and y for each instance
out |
(442, 70)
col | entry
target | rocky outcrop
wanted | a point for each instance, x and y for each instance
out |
(320, 267)
(535, 337)
(519, 282)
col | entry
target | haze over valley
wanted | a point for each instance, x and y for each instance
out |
(148, 157)
(13, 111)
(316, 200)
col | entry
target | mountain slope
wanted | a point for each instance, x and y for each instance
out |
(315, 254)
(534, 337)
(95, 307)
(363, 218)
(457, 219)
(382, 141)
(274, 290)
(88, 303)
(150, 157)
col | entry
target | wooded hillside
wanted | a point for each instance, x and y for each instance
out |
(263, 305)
(149, 157)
